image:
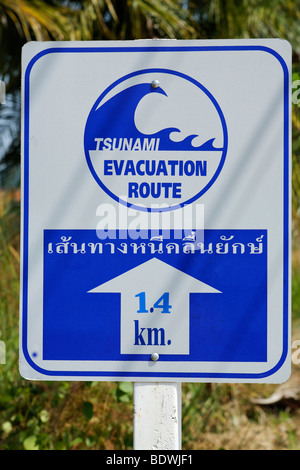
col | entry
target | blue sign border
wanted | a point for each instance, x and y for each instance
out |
(286, 209)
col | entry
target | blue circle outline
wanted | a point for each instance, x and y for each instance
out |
(225, 137)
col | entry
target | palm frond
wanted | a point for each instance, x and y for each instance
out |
(36, 19)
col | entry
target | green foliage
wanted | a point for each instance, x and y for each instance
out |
(296, 292)
(88, 409)
(124, 392)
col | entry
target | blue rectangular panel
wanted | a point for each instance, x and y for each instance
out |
(229, 327)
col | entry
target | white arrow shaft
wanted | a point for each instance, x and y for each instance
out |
(147, 333)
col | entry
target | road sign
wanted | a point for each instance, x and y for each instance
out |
(156, 211)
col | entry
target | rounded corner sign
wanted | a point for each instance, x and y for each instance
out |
(163, 252)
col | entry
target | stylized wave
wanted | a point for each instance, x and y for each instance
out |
(116, 119)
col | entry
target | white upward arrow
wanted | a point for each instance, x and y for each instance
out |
(154, 283)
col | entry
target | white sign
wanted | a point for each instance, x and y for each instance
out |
(156, 211)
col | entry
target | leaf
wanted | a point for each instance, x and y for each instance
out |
(30, 443)
(126, 387)
(125, 391)
(44, 416)
(124, 398)
(76, 441)
(88, 410)
(7, 427)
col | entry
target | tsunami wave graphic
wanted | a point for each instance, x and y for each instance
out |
(115, 120)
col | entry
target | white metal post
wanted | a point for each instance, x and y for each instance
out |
(157, 416)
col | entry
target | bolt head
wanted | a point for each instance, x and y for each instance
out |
(154, 357)
(155, 83)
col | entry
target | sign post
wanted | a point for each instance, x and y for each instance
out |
(156, 217)
(157, 416)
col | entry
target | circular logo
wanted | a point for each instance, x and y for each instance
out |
(155, 140)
